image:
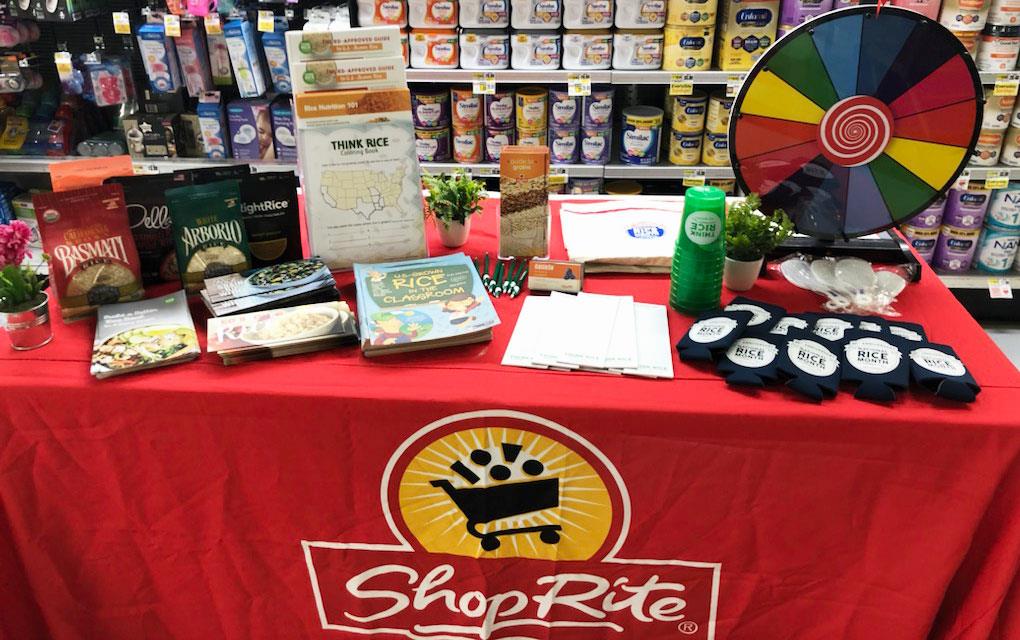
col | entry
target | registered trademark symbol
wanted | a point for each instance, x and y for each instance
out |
(690, 627)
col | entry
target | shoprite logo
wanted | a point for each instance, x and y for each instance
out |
(507, 525)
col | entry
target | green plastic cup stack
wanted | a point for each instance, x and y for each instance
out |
(696, 276)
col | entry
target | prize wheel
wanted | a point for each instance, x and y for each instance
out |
(856, 121)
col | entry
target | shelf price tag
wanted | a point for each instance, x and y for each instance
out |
(1006, 84)
(212, 24)
(484, 83)
(733, 83)
(144, 168)
(172, 24)
(997, 179)
(681, 84)
(557, 176)
(64, 67)
(1000, 289)
(121, 23)
(963, 182)
(486, 170)
(579, 84)
(265, 21)
(694, 177)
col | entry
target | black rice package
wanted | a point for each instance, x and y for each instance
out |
(789, 322)
(205, 175)
(831, 326)
(764, 315)
(711, 333)
(208, 231)
(751, 360)
(149, 218)
(810, 365)
(936, 367)
(269, 204)
(907, 331)
(877, 363)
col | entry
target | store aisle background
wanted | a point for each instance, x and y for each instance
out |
(1007, 336)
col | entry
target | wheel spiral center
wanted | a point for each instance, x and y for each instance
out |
(855, 131)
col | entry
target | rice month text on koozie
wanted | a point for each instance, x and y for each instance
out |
(696, 276)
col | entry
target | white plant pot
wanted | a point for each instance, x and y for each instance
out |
(739, 275)
(453, 234)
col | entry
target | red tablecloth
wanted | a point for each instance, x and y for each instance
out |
(174, 503)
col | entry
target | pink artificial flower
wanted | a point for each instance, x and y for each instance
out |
(14, 239)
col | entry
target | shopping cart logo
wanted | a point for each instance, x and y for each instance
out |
(507, 525)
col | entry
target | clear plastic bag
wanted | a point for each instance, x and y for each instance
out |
(851, 285)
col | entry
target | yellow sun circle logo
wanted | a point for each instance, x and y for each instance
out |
(498, 492)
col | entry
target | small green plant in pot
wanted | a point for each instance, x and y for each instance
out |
(24, 309)
(750, 236)
(452, 199)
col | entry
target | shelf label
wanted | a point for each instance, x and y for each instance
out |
(733, 83)
(579, 84)
(212, 24)
(1000, 289)
(997, 179)
(1006, 84)
(172, 24)
(963, 182)
(484, 84)
(557, 176)
(681, 84)
(121, 23)
(64, 67)
(265, 21)
(145, 168)
(486, 170)
(694, 177)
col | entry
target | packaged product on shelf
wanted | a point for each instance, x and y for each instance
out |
(274, 44)
(930, 218)
(717, 119)
(482, 14)
(361, 179)
(966, 208)
(746, 30)
(640, 135)
(727, 185)
(715, 149)
(638, 49)
(1001, 12)
(499, 109)
(954, 250)
(212, 125)
(929, 8)
(1011, 146)
(208, 231)
(1004, 209)
(434, 49)
(969, 39)
(405, 46)
(532, 107)
(152, 135)
(578, 186)
(587, 14)
(269, 207)
(564, 109)
(244, 58)
(692, 12)
(923, 240)
(535, 49)
(496, 140)
(159, 57)
(640, 14)
(563, 144)
(688, 48)
(999, 48)
(205, 175)
(998, 111)
(467, 145)
(382, 12)
(524, 221)
(597, 108)
(149, 220)
(535, 14)
(996, 249)
(1016, 263)
(595, 144)
(587, 50)
(532, 137)
(110, 81)
(484, 49)
(432, 145)
(191, 137)
(964, 15)
(430, 108)
(375, 42)
(331, 75)
(466, 107)
(688, 112)
(987, 149)
(251, 129)
(685, 148)
(194, 59)
(428, 14)
(284, 142)
(796, 12)
(219, 60)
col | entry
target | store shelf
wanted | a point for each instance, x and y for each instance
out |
(507, 75)
(973, 279)
(663, 171)
(488, 169)
(979, 173)
(971, 290)
(40, 164)
(665, 77)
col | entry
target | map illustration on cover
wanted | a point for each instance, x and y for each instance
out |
(434, 300)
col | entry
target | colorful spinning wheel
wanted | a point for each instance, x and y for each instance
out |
(854, 122)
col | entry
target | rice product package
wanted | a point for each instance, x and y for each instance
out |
(208, 231)
(94, 259)
(269, 204)
(206, 175)
(149, 218)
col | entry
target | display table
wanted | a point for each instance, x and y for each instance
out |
(276, 499)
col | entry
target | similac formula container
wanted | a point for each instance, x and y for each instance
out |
(466, 108)
(579, 186)
(535, 14)
(929, 8)
(532, 137)
(587, 50)
(587, 14)
(467, 145)
(688, 48)
(718, 118)
(684, 148)
(969, 39)
(535, 50)
(1004, 12)
(430, 108)
(999, 48)
(434, 49)
(484, 49)
(691, 12)
(689, 112)
(954, 250)
(496, 140)
(640, 14)
(640, 135)
(988, 147)
(996, 249)
(597, 108)
(796, 12)
(532, 106)
(715, 150)
(922, 240)
(964, 15)
(998, 110)
(485, 14)
(564, 109)
(930, 218)
(499, 110)
(374, 13)
(966, 209)
(564, 145)
(432, 145)
(1011, 146)
(595, 144)
(432, 14)
(638, 49)
(1004, 209)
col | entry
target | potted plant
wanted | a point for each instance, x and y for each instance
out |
(452, 199)
(24, 307)
(750, 235)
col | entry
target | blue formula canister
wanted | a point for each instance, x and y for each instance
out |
(640, 134)
(996, 249)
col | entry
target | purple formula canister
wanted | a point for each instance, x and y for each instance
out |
(564, 145)
(922, 240)
(955, 248)
(595, 143)
(496, 140)
(564, 109)
(965, 209)
(597, 108)
(794, 12)
(930, 218)
(499, 110)
(432, 145)
(431, 109)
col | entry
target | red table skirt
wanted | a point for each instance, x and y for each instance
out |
(295, 498)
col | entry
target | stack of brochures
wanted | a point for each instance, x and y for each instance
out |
(280, 285)
(592, 332)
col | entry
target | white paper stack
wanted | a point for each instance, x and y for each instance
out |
(592, 332)
(622, 235)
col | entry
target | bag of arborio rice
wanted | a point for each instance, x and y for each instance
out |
(93, 255)
(208, 231)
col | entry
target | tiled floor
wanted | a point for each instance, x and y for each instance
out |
(1007, 336)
